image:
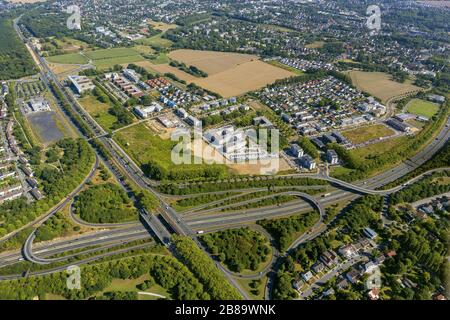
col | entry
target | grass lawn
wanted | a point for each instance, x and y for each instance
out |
(99, 111)
(361, 135)
(130, 285)
(378, 148)
(161, 26)
(111, 53)
(71, 58)
(245, 284)
(315, 45)
(422, 108)
(365, 153)
(144, 49)
(109, 63)
(156, 41)
(51, 296)
(338, 171)
(144, 145)
(161, 59)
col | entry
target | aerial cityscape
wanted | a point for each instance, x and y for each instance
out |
(224, 150)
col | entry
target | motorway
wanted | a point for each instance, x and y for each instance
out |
(178, 224)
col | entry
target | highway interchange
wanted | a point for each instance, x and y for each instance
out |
(191, 222)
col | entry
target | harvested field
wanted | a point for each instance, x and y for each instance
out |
(245, 77)
(166, 68)
(380, 85)
(211, 62)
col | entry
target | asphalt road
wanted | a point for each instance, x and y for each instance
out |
(181, 227)
(81, 241)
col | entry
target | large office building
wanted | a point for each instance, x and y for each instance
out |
(81, 84)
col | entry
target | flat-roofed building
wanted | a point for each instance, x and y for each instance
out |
(296, 150)
(38, 105)
(332, 157)
(81, 84)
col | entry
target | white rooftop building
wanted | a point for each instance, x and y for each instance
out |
(81, 83)
(144, 112)
(38, 105)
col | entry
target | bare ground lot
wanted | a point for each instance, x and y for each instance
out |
(243, 78)
(380, 84)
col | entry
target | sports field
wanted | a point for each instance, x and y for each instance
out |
(102, 59)
(364, 134)
(110, 53)
(70, 58)
(380, 85)
(422, 108)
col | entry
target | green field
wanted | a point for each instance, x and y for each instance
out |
(156, 41)
(256, 293)
(99, 111)
(110, 53)
(364, 134)
(422, 108)
(102, 59)
(70, 58)
(146, 147)
(131, 285)
(161, 59)
(103, 64)
(379, 148)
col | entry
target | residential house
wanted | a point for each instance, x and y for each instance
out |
(318, 267)
(347, 251)
(369, 233)
(307, 276)
(329, 258)
(353, 275)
